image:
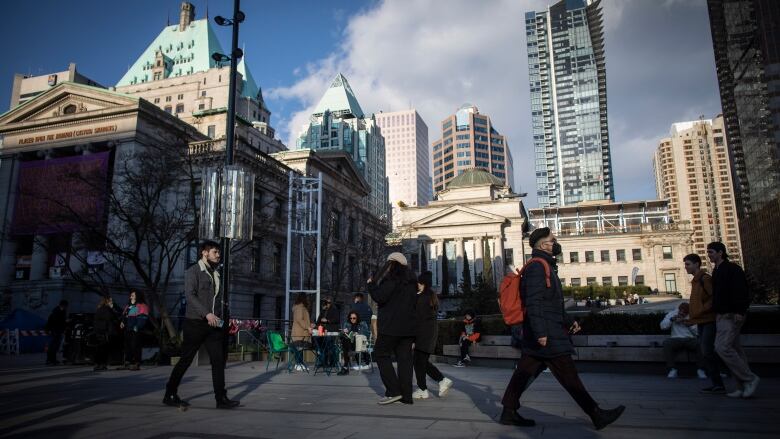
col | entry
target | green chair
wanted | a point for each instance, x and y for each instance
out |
(277, 347)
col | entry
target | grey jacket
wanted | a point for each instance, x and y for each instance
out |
(203, 291)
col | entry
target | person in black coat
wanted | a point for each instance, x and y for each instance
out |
(394, 290)
(730, 301)
(104, 331)
(56, 327)
(425, 338)
(545, 341)
(329, 316)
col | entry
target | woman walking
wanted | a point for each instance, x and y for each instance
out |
(425, 339)
(104, 331)
(301, 327)
(135, 316)
(394, 291)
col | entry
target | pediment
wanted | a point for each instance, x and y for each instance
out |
(67, 100)
(458, 215)
(340, 162)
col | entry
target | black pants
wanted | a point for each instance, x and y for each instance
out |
(464, 348)
(423, 367)
(197, 333)
(54, 346)
(347, 346)
(401, 384)
(564, 371)
(708, 356)
(102, 351)
(132, 347)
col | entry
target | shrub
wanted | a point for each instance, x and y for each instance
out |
(593, 291)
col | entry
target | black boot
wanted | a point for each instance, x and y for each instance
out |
(225, 403)
(601, 418)
(173, 400)
(510, 417)
(343, 371)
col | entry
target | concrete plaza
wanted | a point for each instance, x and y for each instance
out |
(75, 402)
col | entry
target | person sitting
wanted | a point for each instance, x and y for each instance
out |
(469, 336)
(683, 338)
(329, 316)
(352, 327)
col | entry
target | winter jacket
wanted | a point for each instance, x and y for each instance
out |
(729, 289)
(136, 316)
(395, 298)
(202, 288)
(701, 299)
(56, 322)
(301, 323)
(545, 315)
(427, 329)
(472, 330)
(679, 329)
(358, 328)
(105, 321)
(332, 315)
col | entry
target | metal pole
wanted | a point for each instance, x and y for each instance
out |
(319, 238)
(290, 192)
(230, 133)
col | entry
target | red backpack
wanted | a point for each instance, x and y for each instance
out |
(509, 299)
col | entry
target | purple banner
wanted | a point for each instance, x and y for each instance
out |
(61, 195)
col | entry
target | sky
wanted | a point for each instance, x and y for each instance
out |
(431, 55)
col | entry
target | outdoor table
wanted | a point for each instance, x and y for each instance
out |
(326, 351)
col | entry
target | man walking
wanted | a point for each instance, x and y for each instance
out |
(203, 325)
(56, 327)
(703, 317)
(545, 341)
(730, 302)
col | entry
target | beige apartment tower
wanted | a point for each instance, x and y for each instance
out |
(407, 159)
(692, 172)
(469, 140)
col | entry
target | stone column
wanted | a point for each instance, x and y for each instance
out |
(39, 264)
(479, 254)
(498, 266)
(436, 248)
(459, 260)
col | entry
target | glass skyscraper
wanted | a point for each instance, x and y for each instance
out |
(568, 81)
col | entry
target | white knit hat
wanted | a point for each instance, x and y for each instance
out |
(397, 257)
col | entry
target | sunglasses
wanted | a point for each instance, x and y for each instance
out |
(353, 318)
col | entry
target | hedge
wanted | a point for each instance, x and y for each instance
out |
(759, 322)
(593, 291)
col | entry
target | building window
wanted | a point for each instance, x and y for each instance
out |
(277, 260)
(606, 281)
(335, 271)
(212, 129)
(167, 99)
(589, 257)
(591, 281)
(575, 282)
(670, 282)
(278, 211)
(257, 257)
(203, 93)
(156, 100)
(168, 109)
(180, 97)
(157, 76)
(201, 106)
(640, 279)
(605, 256)
(574, 257)
(335, 224)
(622, 281)
(636, 254)
(257, 305)
(508, 257)
(179, 108)
(667, 251)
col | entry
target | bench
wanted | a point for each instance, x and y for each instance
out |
(760, 348)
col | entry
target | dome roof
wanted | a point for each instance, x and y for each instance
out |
(475, 177)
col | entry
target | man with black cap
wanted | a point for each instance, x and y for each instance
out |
(545, 341)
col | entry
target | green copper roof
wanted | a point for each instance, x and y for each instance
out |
(475, 177)
(250, 88)
(339, 98)
(187, 51)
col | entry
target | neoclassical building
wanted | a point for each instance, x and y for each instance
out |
(475, 217)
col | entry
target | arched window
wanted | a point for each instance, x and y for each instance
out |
(180, 108)
(69, 109)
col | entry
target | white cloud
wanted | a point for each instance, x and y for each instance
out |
(437, 55)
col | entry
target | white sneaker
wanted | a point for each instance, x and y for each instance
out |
(750, 387)
(365, 367)
(735, 394)
(467, 358)
(459, 364)
(420, 394)
(389, 400)
(355, 367)
(672, 373)
(702, 374)
(444, 386)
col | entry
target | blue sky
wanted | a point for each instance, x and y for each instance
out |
(432, 54)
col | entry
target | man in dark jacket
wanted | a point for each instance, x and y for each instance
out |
(56, 327)
(203, 326)
(730, 301)
(329, 316)
(395, 291)
(545, 339)
(361, 307)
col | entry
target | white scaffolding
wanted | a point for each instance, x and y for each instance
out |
(304, 227)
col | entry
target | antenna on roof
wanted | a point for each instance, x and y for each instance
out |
(168, 20)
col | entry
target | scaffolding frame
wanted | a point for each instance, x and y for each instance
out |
(304, 225)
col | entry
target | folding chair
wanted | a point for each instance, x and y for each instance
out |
(277, 347)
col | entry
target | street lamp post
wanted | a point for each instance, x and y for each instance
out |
(235, 54)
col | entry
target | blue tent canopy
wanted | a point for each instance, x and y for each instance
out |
(25, 320)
